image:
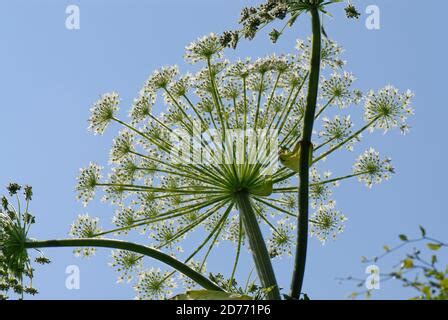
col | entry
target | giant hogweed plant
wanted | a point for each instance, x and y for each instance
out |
(222, 161)
(380, 115)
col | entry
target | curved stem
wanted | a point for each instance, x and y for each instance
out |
(304, 164)
(128, 246)
(257, 245)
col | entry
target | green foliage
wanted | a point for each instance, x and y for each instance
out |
(16, 271)
(250, 289)
(434, 246)
(351, 12)
(253, 19)
(418, 270)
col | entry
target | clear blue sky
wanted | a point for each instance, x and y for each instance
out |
(49, 77)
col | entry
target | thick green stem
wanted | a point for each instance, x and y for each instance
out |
(304, 165)
(257, 245)
(128, 246)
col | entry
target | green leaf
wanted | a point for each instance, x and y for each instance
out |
(403, 237)
(444, 284)
(434, 246)
(353, 295)
(386, 248)
(291, 159)
(423, 231)
(210, 295)
(408, 264)
(427, 291)
(433, 259)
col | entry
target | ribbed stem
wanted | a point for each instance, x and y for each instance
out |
(128, 246)
(257, 245)
(304, 165)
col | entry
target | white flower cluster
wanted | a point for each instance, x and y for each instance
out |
(85, 226)
(319, 192)
(126, 263)
(388, 108)
(154, 284)
(330, 55)
(372, 169)
(337, 89)
(103, 112)
(337, 130)
(327, 222)
(168, 193)
(282, 239)
(88, 180)
(203, 49)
